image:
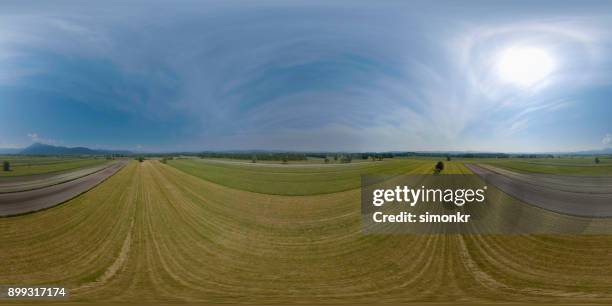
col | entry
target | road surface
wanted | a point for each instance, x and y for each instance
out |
(36, 181)
(572, 195)
(17, 203)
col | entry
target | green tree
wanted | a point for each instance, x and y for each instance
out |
(346, 158)
(253, 159)
(448, 158)
(6, 166)
(327, 160)
(439, 167)
(597, 160)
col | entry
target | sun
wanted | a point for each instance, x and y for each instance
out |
(525, 66)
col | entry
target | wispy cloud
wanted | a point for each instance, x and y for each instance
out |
(34, 137)
(607, 139)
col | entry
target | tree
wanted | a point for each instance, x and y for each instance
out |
(448, 158)
(327, 160)
(285, 159)
(6, 166)
(336, 157)
(439, 167)
(253, 159)
(597, 160)
(346, 158)
(140, 159)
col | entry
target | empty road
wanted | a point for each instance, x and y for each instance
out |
(17, 203)
(579, 196)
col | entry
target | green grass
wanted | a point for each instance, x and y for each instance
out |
(304, 180)
(566, 166)
(309, 160)
(27, 165)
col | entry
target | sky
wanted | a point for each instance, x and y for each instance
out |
(503, 76)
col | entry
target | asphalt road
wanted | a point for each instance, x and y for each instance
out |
(36, 181)
(586, 197)
(17, 203)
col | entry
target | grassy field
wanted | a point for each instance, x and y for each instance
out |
(153, 233)
(27, 165)
(565, 166)
(301, 180)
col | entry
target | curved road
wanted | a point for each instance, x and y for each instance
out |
(37, 181)
(589, 197)
(17, 203)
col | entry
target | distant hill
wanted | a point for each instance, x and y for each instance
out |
(45, 149)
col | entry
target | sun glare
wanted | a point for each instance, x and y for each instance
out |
(525, 66)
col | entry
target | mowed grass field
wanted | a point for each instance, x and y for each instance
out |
(29, 165)
(153, 233)
(302, 180)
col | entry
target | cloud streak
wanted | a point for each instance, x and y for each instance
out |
(34, 137)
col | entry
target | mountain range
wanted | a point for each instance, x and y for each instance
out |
(46, 149)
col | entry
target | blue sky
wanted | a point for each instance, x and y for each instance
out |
(306, 75)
